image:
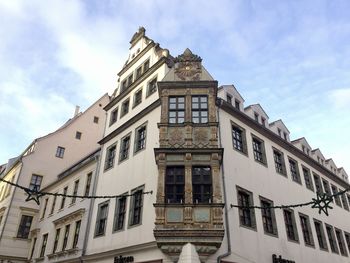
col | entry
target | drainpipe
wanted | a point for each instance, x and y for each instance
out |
(92, 202)
(228, 235)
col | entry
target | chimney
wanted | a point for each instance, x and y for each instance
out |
(76, 112)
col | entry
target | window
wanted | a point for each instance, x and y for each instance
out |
(268, 217)
(35, 182)
(202, 185)
(124, 148)
(320, 235)
(125, 108)
(65, 238)
(101, 221)
(88, 184)
(130, 79)
(43, 245)
(229, 98)
(306, 229)
(238, 138)
(318, 185)
(256, 117)
(140, 138)
(138, 72)
(63, 200)
(263, 121)
(60, 152)
(246, 215)
(326, 188)
(294, 171)
(152, 86)
(259, 150)
(341, 243)
(175, 184)
(176, 109)
(331, 239)
(285, 136)
(76, 234)
(120, 211)
(95, 119)
(279, 131)
(75, 191)
(78, 135)
(24, 226)
(347, 239)
(336, 198)
(124, 85)
(291, 228)
(57, 238)
(53, 204)
(110, 156)
(279, 162)
(44, 209)
(114, 117)
(307, 179)
(146, 65)
(345, 202)
(137, 97)
(199, 109)
(136, 207)
(237, 103)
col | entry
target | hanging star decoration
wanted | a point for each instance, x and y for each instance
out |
(33, 195)
(322, 202)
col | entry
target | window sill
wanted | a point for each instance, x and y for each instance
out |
(140, 150)
(310, 245)
(271, 234)
(123, 160)
(293, 241)
(261, 163)
(133, 226)
(248, 227)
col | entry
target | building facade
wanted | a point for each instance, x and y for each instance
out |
(188, 160)
(38, 167)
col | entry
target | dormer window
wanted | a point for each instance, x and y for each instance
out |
(263, 121)
(308, 151)
(146, 66)
(229, 98)
(285, 136)
(237, 104)
(124, 85)
(279, 131)
(130, 79)
(138, 72)
(303, 147)
(256, 117)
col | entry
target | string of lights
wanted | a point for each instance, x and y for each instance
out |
(35, 195)
(321, 202)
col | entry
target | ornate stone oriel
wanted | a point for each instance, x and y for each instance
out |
(188, 144)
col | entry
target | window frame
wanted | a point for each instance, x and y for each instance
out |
(151, 89)
(118, 213)
(306, 230)
(75, 191)
(202, 184)
(60, 152)
(262, 151)
(331, 237)
(63, 199)
(319, 184)
(56, 240)
(53, 204)
(124, 149)
(100, 219)
(110, 157)
(113, 118)
(321, 236)
(138, 139)
(243, 214)
(294, 170)
(76, 233)
(65, 237)
(310, 184)
(78, 135)
(200, 110)
(175, 184)
(242, 142)
(88, 184)
(271, 216)
(282, 169)
(341, 242)
(137, 101)
(336, 198)
(132, 207)
(177, 119)
(125, 108)
(290, 225)
(43, 244)
(23, 229)
(33, 186)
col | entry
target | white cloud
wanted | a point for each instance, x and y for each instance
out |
(340, 98)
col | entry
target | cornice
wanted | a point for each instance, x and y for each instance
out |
(148, 73)
(279, 141)
(130, 122)
(71, 216)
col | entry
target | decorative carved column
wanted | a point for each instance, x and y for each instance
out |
(188, 179)
(217, 197)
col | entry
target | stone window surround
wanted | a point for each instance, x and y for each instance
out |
(283, 164)
(311, 185)
(116, 213)
(273, 217)
(136, 139)
(131, 224)
(251, 211)
(98, 218)
(263, 151)
(311, 242)
(323, 235)
(297, 170)
(295, 229)
(121, 148)
(244, 139)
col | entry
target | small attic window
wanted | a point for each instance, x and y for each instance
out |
(237, 104)
(303, 147)
(279, 131)
(308, 151)
(138, 50)
(229, 98)
(263, 121)
(285, 136)
(256, 117)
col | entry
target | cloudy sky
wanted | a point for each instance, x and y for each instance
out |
(292, 57)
